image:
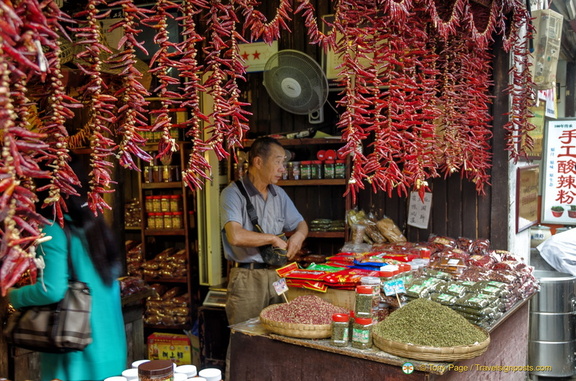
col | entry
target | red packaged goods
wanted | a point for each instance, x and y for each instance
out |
(309, 285)
(486, 261)
(464, 243)
(402, 257)
(348, 277)
(441, 242)
(450, 253)
(509, 265)
(504, 255)
(306, 274)
(282, 271)
(480, 247)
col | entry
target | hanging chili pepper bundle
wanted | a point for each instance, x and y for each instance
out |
(27, 35)
(354, 119)
(521, 90)
(162, 62)
(57, 108)
(131, 114)
(19, 230)
(198, 169)
(101, 106)
(255, 22)
(228, 119)
(131, 118)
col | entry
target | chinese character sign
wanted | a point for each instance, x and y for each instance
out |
(559, 167)
(418, 210)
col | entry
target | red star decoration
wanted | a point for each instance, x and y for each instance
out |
(256, 55)
(245, 56)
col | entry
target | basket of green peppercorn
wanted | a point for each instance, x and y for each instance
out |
(426, 330)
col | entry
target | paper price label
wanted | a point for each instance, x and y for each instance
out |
(280, 286)
(393, 287)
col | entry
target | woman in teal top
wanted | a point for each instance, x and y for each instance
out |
(96, 260)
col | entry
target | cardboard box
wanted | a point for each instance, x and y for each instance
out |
(170, 346)
(340, 298)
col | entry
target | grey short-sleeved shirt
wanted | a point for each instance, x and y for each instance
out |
(277, 214)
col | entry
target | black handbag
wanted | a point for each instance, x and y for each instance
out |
(271, 255)
(55, 328)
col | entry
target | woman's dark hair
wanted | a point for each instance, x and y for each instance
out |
(101, 242)
(261, 147)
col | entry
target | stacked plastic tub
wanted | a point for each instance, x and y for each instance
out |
(552, 339)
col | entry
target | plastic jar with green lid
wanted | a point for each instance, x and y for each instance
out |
(156, 370)
(362, 333)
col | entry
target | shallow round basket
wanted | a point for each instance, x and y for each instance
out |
(302, 331)
(421, 352)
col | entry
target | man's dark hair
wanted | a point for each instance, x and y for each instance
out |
(261, 148)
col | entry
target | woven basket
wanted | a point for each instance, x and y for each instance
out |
(303, 331)
(420, 352)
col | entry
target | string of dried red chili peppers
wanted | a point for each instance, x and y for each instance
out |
(228, 118)
(255, 23)
(521, 90)
(162, 63)
(23, 34)
(131, 115)
(57, 106)
(198, 169)
(101, 105)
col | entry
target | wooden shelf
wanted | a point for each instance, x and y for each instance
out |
(307, 183)
(163, 185)
(165, 280)
(165, 327)
(304, 141)
(341, 234)
(150, 232)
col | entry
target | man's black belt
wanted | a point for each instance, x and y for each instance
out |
(253, 265)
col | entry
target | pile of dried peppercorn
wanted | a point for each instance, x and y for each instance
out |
(428, 323)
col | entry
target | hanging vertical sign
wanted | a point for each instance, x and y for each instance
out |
(419, 210)
(559, 167)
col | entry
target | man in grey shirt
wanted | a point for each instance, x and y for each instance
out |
(250, 281)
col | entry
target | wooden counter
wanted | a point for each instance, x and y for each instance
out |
(259, 354)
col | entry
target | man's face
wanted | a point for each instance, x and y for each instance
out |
(273, 166)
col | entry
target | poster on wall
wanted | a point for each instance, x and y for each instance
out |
(559, 167)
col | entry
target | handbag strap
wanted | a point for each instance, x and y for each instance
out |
(249, 207)
(72, 274)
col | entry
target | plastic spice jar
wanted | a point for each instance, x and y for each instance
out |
(156, 203)
(329, 169)
(156, 370)
(363, 305)
(177, 220)
(339, 169)
(175, 203)
(305, 170)
(165, 203)
(373, 282)
(167, 219)
(316, 169)
(340, 327)
(362, 333)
